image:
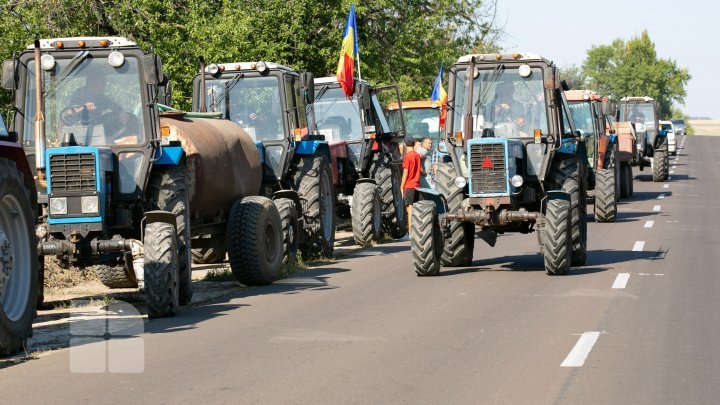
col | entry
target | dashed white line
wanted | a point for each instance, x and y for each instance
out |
(672, 171)
(674, 167)
(639, 245)
(649, 224)
(621, 281)
(666, 186)
(661, 196)
(579, 353)
(656, 208)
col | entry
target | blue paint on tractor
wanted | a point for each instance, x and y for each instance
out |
(171, 156)
(306, 147)
(261, 150)
(75, 220)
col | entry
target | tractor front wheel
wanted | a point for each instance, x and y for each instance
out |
(162, 275)
(365, 214)
(426, 242)
(557, 238)
(605, 201)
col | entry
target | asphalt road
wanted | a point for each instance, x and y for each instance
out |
(364, 329)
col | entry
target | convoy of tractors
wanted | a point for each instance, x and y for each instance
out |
(97, 170)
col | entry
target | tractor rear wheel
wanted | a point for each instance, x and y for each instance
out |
(162, 275)
(605, 201)
(625, 180)
(288, 211)
(210, 255)
(169, 192)
(565, 175)
(255, 241)
(458, 248)
(394, 215)
(365, 213)
(425, 239)
(557, 238)
(18, 259)
(660, 165)
(313, 182)
(118, 276)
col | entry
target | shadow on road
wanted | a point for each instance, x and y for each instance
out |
(645, 196)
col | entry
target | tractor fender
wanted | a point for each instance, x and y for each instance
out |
(366, 180)
(158, 216)
(430, 194)
(554, 195)
(292, 195)
(170, 156)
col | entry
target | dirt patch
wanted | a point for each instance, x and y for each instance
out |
(706, 127)
(57, 277)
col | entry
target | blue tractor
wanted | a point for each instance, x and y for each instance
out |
(511, 161)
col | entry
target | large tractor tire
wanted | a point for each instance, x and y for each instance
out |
(458, 248)
(425, 239)
(631, 180)
(161, 268)
(394, 215)
(288, 211)
(255, 241)
(612, 163)
(625, 180)
(313, 182)
(366, 214)
(565, 175)
(660, 165)
(605, 201)
(118, 276)
(210, 255)
(168, 192)
(557, 238)
(18, 259)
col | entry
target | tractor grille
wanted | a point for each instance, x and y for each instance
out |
(486, 180)
(72, 172)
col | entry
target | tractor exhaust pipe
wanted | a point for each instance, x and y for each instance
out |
(39, 117)
(203, 98)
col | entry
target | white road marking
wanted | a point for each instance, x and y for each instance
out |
(674, 167)
(656, 208)
(666, 186)
(661, 196)
(639, 245)
(672, 171)
(582, 348)
(659, 274)
(621, 281)
(649, 224)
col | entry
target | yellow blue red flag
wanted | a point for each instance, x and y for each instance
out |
(348, 52)
(439, 97)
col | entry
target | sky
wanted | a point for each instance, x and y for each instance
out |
(686, 31)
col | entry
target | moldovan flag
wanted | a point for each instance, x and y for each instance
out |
(439, 97)
(348, 52)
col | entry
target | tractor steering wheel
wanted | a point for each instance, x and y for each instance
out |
(79, 114)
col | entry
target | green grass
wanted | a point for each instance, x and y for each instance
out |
(224, 274)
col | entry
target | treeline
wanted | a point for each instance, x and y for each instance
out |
(400, 41)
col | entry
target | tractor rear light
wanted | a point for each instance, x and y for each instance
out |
(104, 43)
(59, 45)
(81, 44)
(537, 134)
(165, 135)
(459, 136)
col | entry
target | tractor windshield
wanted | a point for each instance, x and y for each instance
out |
(582, 117)
(504, 105)
(640, 114)
(252, 102)
(337, 117)
(420, 122)
(88, 100)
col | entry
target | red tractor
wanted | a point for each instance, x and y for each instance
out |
(366, 162)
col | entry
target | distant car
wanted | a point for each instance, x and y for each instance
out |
(669, 129)
(678, 126)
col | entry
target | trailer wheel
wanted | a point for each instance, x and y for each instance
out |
(605, 201)
(625, 180)
(365, 214)
(168, 192)
(660, 165)
(565, 175)
(458, 248)
(313, 182)
(18, 259)
(255, 241)
(557, 238)
(394, 215)
(631, 180)
(210, 255)
(162, 274)
(290, 229)
(118, 276)
(426, 242)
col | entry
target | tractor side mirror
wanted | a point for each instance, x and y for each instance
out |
(365, 100)
(165, 91)
(607, 108)
(565, 86)
(152, 69)
(308, 83)
(8, 75)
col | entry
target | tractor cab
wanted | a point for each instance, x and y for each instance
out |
(422, 119)
(651, 140)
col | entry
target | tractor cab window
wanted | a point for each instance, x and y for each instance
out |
(642, 115)
(583, 117)
(254, 103)
(505, 104)
(3, 129)
(89, 101)
(337, 117)
(380, 117)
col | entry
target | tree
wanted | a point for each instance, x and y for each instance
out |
(633, 68)
(574, 76)
(400, 41)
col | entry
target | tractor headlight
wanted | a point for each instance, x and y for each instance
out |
(47, 62)
(58, 206)
(261, 67)
(516, 180)
(89, 204)
(116, 59)
(213, 69)
(460, 182)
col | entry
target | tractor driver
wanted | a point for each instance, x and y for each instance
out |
(89, 105)
(507, 109)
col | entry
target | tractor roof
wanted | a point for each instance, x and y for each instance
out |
(644, 99)
(582, 95)
(331, 80)
(508, 57)
(240, 66)
(413, 105)
(83, 43)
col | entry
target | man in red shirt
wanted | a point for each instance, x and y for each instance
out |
(411, 176)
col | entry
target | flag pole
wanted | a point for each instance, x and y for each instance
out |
(356, 44)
